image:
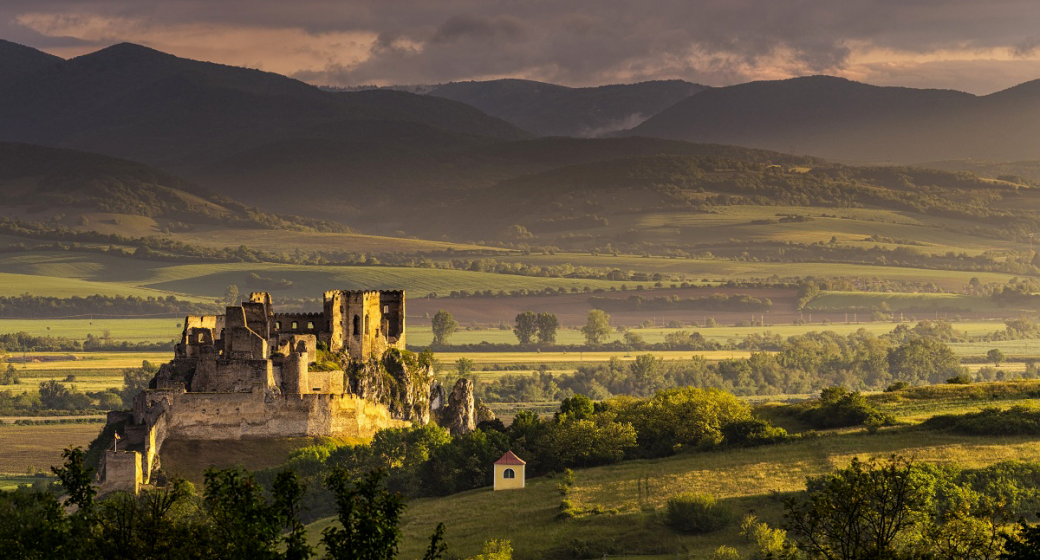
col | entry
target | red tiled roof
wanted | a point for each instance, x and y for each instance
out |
(510, 459)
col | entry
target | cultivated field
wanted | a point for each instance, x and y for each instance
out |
(40, 446)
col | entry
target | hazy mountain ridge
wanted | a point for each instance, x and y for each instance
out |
(841, 119)
(553, 110)
(135, 102)
(17, 61)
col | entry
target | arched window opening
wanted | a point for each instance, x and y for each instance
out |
(295, 325)
(508, 473)
(277, 325)
(310, 325)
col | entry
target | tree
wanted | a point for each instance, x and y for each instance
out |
(245, 526)
(464, 366)
(136, 380)
(547, 327)
(526, 326)
(443, 327)
(368, 517)
(923, 360)
(861, 511)
(76, 479)
(9, 375)
(54, 395)
(578, 407)
(647, 377)
(1023, 545)
(231, 295)
(995, 356)
(597, 327)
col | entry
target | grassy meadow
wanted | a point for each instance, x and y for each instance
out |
(622, 504)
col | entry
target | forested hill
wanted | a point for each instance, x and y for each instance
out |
(135, 102)
(73, 188)
(841, 119)
(682, 202)
(554, 110)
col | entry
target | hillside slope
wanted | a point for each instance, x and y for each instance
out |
(553, 110)
(840, 119)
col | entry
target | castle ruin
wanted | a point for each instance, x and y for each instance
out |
(254, 373)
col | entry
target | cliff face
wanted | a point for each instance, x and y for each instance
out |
(401, 380)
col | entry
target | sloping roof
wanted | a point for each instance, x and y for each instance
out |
(510, 459)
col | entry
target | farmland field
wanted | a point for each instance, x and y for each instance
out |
(40, 446)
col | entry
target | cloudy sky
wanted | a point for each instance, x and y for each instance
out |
(973, 45)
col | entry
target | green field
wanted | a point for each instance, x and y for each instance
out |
(899, 302)
(134, 330)
(745, 479)
(67, 274)
(723, 270)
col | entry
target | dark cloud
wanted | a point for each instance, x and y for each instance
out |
(583, 42)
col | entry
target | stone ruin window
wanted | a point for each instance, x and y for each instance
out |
(508, 473)
(310, 325)
(277, 325)
(295, 325)
(386, 309)
(357, 326)
(200, 340)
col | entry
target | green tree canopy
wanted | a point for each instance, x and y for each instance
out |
(526, 326)
(443, 327)
(597, 327)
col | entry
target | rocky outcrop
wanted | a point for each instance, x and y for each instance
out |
(399, 380)
(459, 415)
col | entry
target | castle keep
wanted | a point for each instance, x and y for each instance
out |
(253, 373)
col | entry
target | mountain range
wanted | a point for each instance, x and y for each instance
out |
(840, 119)
(385, 160)
(554, 110)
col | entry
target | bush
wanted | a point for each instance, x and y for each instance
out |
(838, 408)
(752, 432)
(1015, 421)
(696, 513)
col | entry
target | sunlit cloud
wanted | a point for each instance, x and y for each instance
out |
(921, 43)
(282, 50)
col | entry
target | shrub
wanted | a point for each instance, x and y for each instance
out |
(838, 408)
(696, 513)
(1015, 421)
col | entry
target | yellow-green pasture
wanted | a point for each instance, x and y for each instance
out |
(133, 330)
(901, 302)
(744, 479)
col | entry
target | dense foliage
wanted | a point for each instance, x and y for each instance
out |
(38, 307)
(426, 460)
